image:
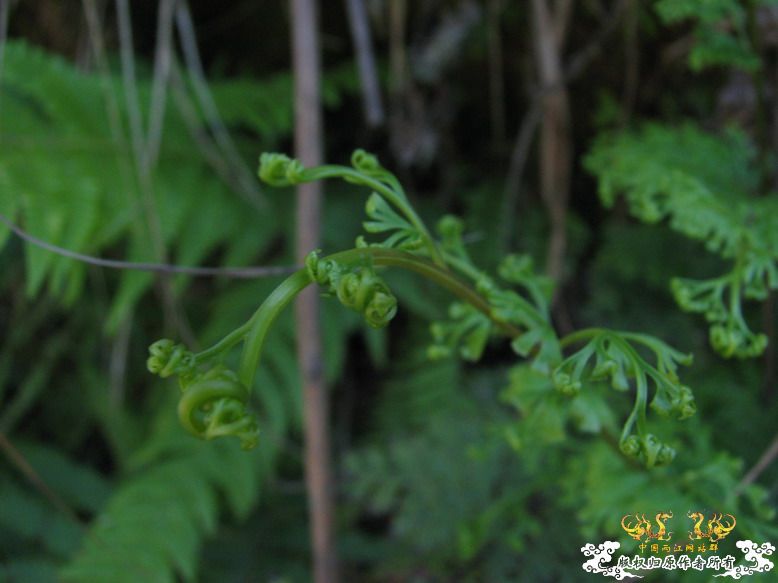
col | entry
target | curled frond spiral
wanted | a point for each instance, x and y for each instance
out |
(214, 405)
(614, 356)
(280, 169)
(358, 288)
(167, 358)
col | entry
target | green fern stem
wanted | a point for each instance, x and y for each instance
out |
(397, 198)
(213, 402)
(280, 170)
(736, 319)
(255, 330)
(620, 359)
(262, 320)
(638, 414)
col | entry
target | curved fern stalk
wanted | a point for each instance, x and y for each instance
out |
(613, 356)
(214, 400)
(720, 300)
(280, 170)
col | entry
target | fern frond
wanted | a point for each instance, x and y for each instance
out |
(703, 186)
(155, 522)
(72, 183)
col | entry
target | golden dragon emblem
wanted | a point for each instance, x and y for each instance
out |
(718, 526)
(637, 526)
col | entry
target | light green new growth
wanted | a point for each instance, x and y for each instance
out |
(703, 186)
(214, 400)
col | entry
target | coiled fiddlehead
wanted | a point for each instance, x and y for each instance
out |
(213, 403)
(280, 170)
(358, 288)
(387, 207)
(467, 331)
(167, 358)
(717, 207)
(610, 355)
(720, 301)
(648, 449)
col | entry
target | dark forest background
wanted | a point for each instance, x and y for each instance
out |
(131, 131)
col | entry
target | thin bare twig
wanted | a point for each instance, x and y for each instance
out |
(24, 398)
(767, 458)
(205, 142)
(555, 149)
(111, 102)
(363, 46)
(117, 368)
(521, 147)
(243, 176)
(563, 10)
(174, 315)
(575, 67)
(128, 78)
(229, 272)
(162, 63)
(24, 467)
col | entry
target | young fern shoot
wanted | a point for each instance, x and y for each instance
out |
(214, 400)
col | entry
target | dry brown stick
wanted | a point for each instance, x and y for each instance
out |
(243, 176)
(518, 162)
(132, 100)
(173, 313)
(575, 67)
(767, 458)
(555, 140)
(163, 60)
(97, 41)
(308, 149)
(24, 467)
(563, 10)
(213, 154)
(363, 46)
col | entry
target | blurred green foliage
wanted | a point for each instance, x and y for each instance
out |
(447, 470)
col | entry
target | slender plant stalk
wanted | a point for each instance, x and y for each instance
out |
(308, 146)
(555, 154)
(368, 76)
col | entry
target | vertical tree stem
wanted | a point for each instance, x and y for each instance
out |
(308, 149)
(363, 47)
(555, 142)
